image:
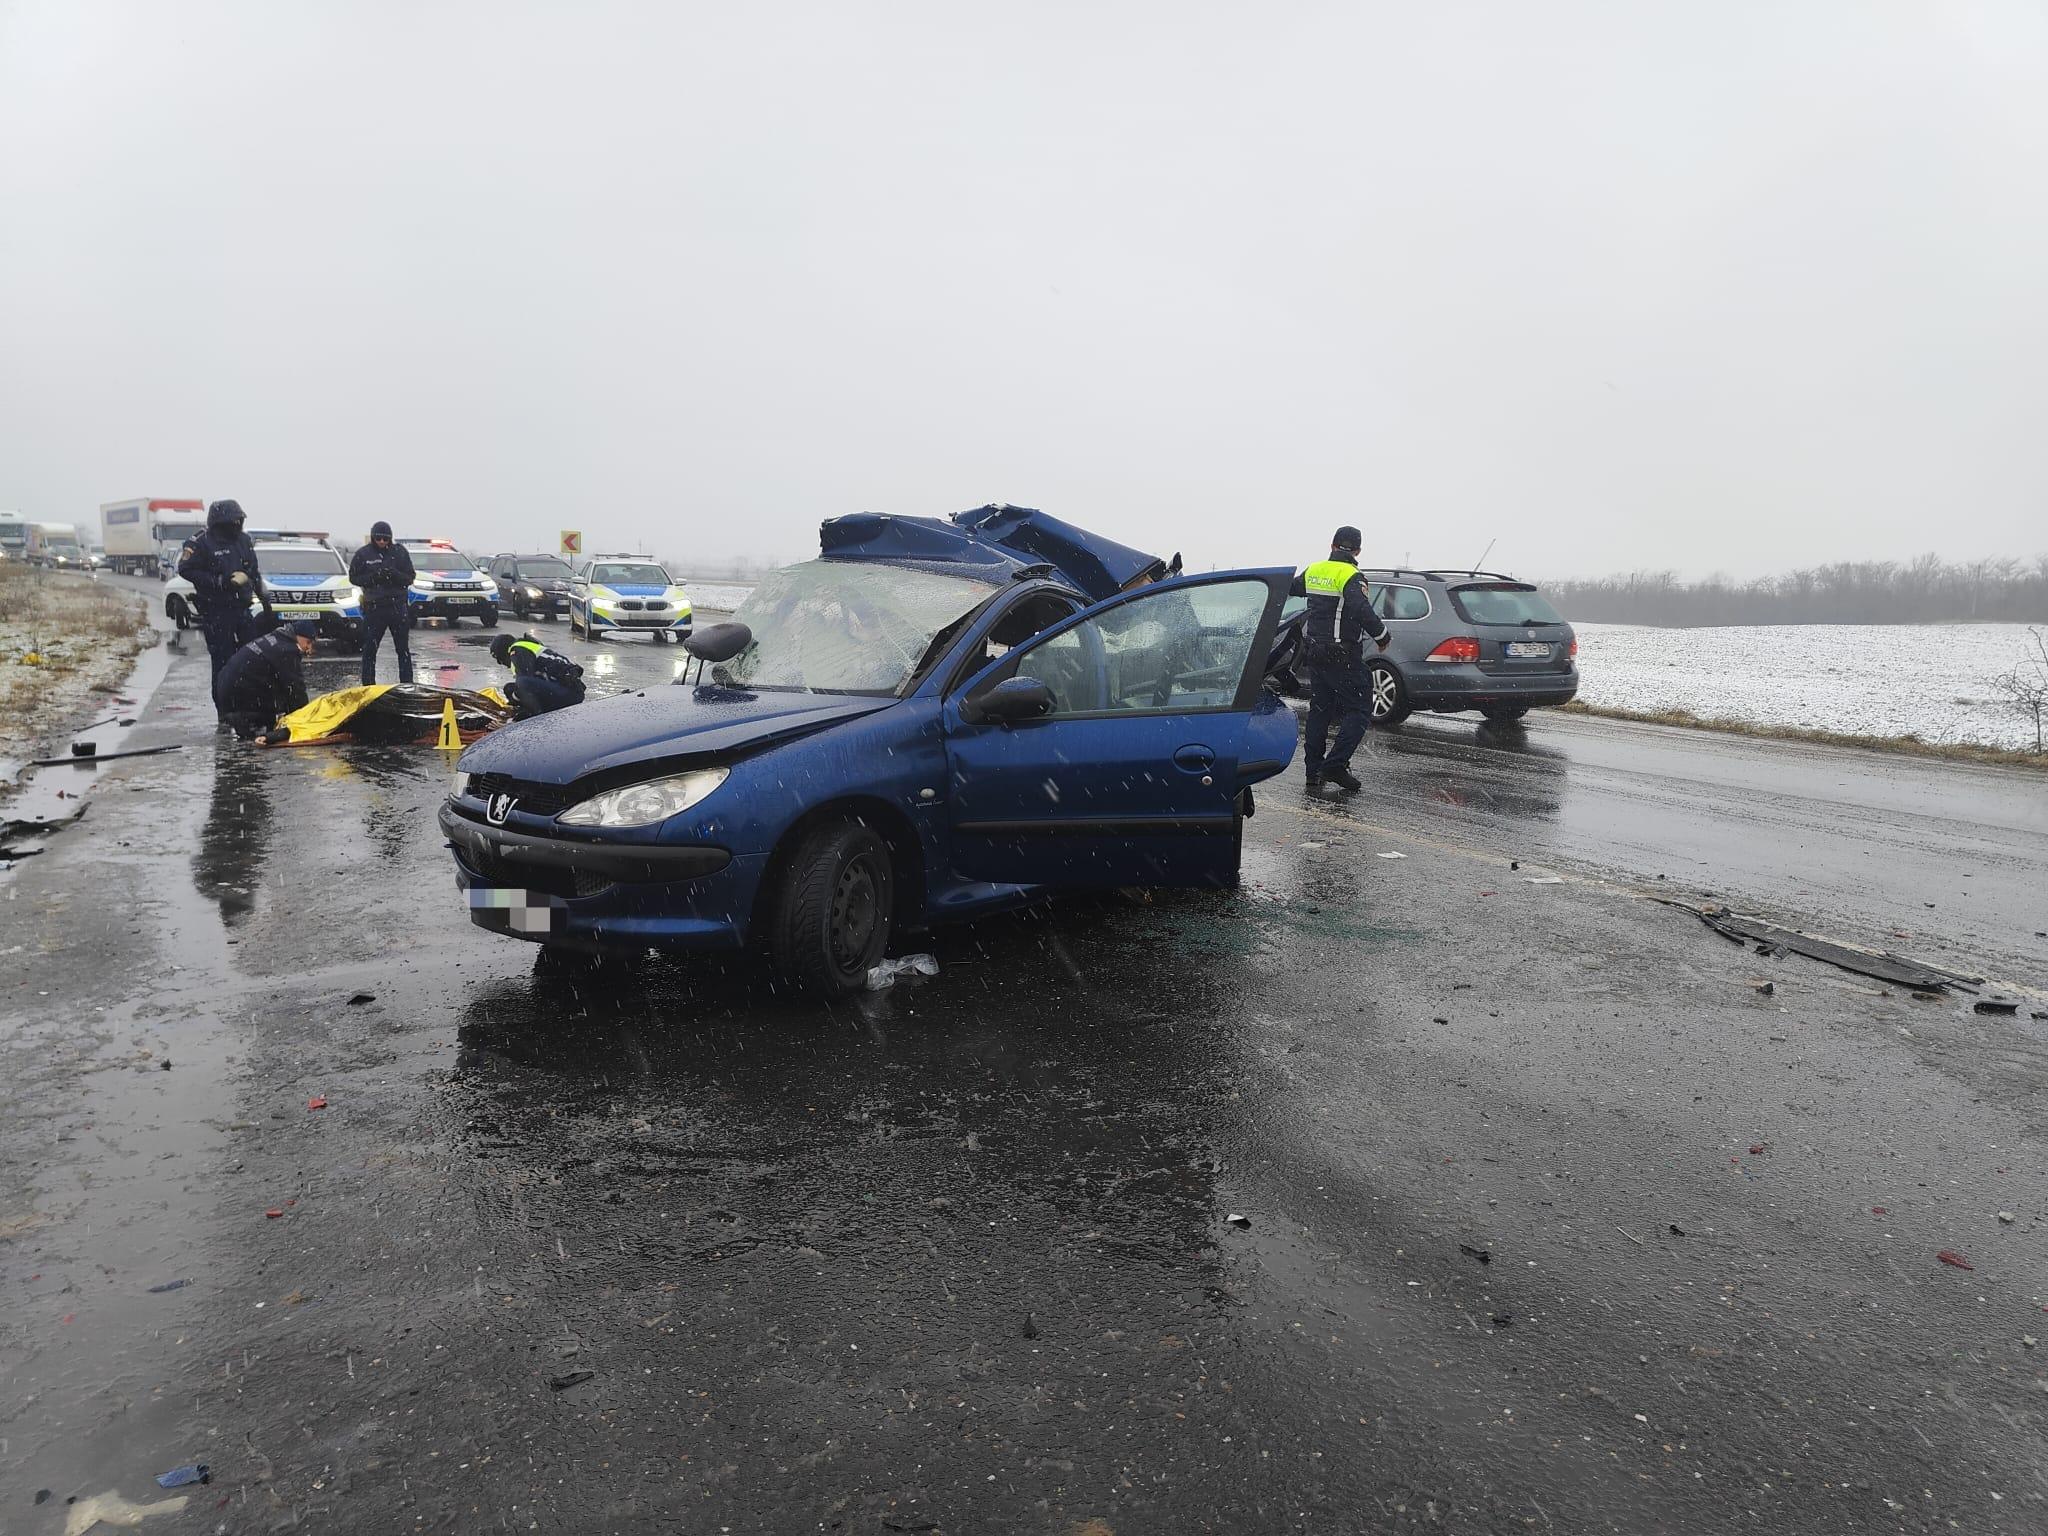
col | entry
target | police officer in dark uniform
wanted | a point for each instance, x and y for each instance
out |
(542, 679)
(221, 565)
(383, 569)
(1333, 635)
(266, 678)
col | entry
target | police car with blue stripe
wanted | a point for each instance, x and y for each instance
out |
(627, 594)
(306, 578)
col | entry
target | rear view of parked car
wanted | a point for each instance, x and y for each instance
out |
(1464, 640)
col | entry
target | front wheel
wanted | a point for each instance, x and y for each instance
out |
(1387, 696)
(574, 627)
(834, 911)
(178, 614)
(489, 618)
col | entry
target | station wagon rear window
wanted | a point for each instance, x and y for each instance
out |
(1503, 602)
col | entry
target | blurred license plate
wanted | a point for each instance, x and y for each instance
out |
(459, 597)
(1528, 648)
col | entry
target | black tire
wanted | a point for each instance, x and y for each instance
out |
(488, 618)
(574, 627)
(834, 909)
(1504, 714)
(178, 614)
(1385, 694)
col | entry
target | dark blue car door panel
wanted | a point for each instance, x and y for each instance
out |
(1133, 779)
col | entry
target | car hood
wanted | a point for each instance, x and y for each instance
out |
(604, 736)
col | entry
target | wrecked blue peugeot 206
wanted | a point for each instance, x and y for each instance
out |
(934, 719)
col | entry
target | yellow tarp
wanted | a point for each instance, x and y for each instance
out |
(330, 712)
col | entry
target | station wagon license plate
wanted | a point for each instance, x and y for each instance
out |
(1528, 648)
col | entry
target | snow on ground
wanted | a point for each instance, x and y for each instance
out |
(715, 596)
(1929, 680)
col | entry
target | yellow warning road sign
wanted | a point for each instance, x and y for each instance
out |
(572, 541)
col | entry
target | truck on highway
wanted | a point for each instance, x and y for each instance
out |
(135, 532)
(13, 536)
(57, 546)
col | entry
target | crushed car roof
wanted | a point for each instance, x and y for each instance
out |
(995, 543)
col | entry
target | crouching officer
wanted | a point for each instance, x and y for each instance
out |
(1333, 635)
(266, 678)
(542, 680)
(221, 565)
(383, 569)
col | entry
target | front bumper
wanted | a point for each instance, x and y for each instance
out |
(549, 603)
(630, 621)
(554, 890)
(451, 605)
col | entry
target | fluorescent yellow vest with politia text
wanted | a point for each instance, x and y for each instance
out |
(1324, 582)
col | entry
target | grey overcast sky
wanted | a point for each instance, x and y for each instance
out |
(1732, 286)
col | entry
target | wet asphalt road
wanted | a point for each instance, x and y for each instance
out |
(961, 1257)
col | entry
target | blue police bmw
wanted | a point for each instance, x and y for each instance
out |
(934, 719)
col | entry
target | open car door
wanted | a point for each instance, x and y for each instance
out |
(1108, 751)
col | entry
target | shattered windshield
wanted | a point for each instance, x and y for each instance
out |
(841, 626)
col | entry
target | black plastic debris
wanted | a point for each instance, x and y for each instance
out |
(1483, 1255)
(58, 762)
(1677, 1230)
(361, 998)
(1238, 1220)
(1999, 1005)
(168, 1285)
(1878, 964)
(569, 1379)
(42, 1495)
(178, 1477)
(85, 749)
(1030, 1328)
(1503, 1319)
(1767, 988)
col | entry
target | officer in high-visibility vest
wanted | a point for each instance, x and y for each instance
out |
(542, 680)
(1333, 635)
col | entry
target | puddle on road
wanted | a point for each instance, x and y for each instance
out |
(48, 799)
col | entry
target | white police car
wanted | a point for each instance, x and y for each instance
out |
(447, 584)
(304, 577)
(627, 594)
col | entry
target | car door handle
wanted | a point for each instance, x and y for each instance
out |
(1194, 758)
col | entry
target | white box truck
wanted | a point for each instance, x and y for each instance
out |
(57, 546)
(135, 532)
(13, 536)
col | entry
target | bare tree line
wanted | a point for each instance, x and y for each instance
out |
(1923, 591)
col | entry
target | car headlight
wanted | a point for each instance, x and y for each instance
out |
(490, 589)
(533, 591)
(347, 595)
(461, 784)
(642, 805)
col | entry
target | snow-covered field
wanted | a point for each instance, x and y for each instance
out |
(714, 596)
(1932, 681)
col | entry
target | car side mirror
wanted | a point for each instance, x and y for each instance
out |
(1011, 700)
(718, 642)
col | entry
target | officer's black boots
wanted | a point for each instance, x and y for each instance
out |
(1343, 778)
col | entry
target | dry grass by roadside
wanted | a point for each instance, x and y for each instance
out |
(86, 635)
(1906, 746)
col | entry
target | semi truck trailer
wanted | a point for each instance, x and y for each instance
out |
(135, 531)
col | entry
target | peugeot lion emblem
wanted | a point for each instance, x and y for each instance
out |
(499, 808)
